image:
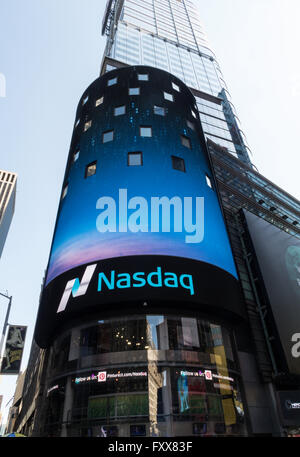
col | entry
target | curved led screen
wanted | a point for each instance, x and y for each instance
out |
(138, 186)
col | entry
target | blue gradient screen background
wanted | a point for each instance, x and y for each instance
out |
(77, 241)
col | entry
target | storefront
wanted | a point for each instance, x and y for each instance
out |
(144, 376)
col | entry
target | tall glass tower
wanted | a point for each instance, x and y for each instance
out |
(168, 34)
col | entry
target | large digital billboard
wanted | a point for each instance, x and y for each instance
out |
(278, 255)
(139, 217)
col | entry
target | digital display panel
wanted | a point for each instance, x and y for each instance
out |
(278, 255)
(139, 216)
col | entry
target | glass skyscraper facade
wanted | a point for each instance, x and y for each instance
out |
(167, 34)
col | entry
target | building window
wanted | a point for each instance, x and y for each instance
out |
(76, 155)
(178, 163)
(134, 91)
(87, 125)
(109, 68)
(190, 125)
(108, 136)
(65, 191)
(146, 131)
(112, 81)
(209, 181)
(84, 101)
(119, 110)
(168, 96)
(90, 169)
(143, 77)
(175, 87)
(159, 110)
(135, 159)
(99, 101)
(185, 141)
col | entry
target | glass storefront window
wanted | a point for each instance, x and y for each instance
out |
(148, 375)
(125, 335)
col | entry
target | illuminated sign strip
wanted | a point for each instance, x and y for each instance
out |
(103, 376)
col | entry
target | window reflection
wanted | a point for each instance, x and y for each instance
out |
(122, 336)
(152, 375)
(210, 342)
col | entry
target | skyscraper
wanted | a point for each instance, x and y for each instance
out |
(165, 311)
(8, 182)
(169, 35)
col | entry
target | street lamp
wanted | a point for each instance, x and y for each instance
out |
(5, 322)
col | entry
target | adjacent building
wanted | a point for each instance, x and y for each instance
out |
(169, 303)
(16, 406)
(8, 182)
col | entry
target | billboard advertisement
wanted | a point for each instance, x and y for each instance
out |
(12, 357)
(278, 256)
(139, 210)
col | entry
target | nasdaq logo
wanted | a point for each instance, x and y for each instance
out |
(76, 288)
(114, 280)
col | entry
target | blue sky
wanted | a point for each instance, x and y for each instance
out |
(51, 50)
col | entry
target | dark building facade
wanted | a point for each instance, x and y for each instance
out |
(159, 314)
